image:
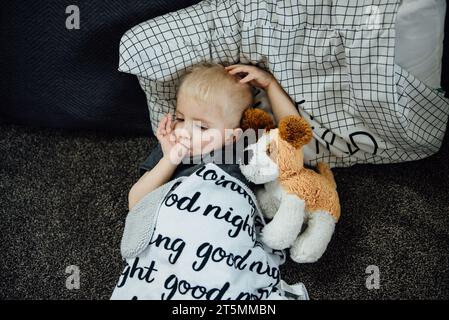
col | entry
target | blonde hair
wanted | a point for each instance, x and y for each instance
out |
(211, 84)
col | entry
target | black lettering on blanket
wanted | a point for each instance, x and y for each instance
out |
(206, 252)
(258, 244)
(211, 175)
(258, 223)
(238, 223)
(242, 225)
(183, 287)
(264, 268)
(263, 293)
(143, 273)
(235, 247)
(185, 203)
(176, 246)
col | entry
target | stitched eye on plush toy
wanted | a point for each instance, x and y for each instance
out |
(272, 150)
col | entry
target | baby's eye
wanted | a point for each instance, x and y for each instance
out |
(179, 119)
(202, 127)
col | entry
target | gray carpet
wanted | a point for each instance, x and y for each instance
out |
(63, 202)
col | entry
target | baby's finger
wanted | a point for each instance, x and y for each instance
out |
(160, 136)
(181, 148)
(168, 124)
(164, 124)
(182, 151)
(248, 78)
(240, 68)
(232, 66)
(161, 122)
(173, 124)
(184, 142)
(184, 146)
(237, 70)
(159, 130)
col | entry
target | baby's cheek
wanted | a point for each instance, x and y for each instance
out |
(212, 140)
(179, 130)
(219, 136)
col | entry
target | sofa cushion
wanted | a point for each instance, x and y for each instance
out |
(56, 77)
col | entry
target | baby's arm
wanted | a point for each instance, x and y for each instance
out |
(281, 103)
(173, 153)
(151, 180)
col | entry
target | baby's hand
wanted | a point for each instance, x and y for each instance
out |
(255, 76)
(173, 150)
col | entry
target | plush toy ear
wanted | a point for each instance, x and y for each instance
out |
(256, 119)
(295, 130)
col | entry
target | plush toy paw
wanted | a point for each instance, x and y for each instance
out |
(275, 236)
(312, 243)
(268, 204)
(305, 251)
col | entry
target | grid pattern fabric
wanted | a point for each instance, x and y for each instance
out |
(337, 55)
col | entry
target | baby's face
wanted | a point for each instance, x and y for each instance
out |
(206, 127)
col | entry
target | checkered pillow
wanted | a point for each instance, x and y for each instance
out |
(338, 56)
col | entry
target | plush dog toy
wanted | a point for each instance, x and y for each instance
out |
(291, 194)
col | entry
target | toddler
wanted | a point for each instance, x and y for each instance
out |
(193, 227)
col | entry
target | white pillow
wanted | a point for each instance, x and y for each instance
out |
(419, 39)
